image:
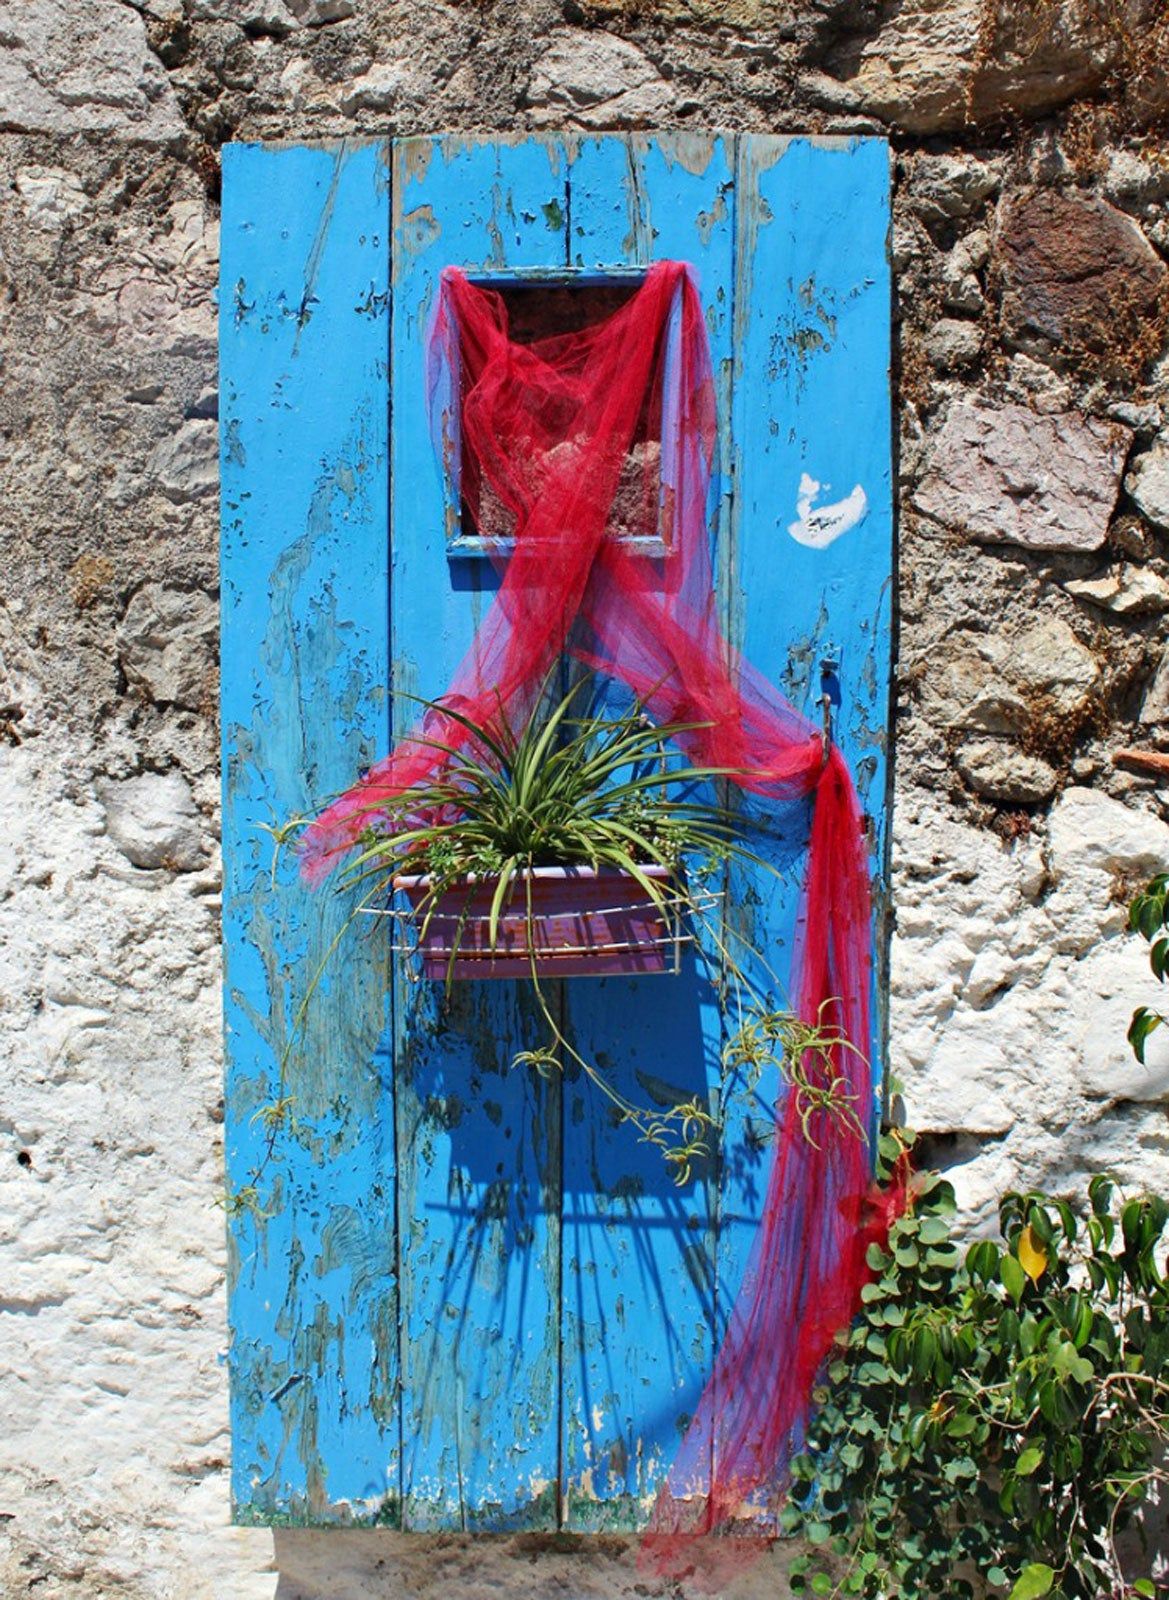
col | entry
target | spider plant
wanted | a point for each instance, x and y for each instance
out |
(562, 791)
(569, 789)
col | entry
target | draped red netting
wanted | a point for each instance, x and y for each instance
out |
(563, 439)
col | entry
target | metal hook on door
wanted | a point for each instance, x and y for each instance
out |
(829, 697)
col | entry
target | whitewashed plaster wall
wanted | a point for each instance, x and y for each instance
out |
(1034, 590)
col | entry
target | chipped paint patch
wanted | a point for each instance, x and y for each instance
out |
(708, 220)
(816, 527)
(694, 152)
(415, 156)
(419, 230)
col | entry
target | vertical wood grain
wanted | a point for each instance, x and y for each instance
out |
(638, 1251)
(314, 1310)
(478, 1143)
(528, 1348)
(811, 402)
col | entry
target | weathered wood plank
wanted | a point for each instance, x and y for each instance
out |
(314, 1360)
(639, 1252)
(478, 1144)
(495, 1427)
(812, 428)
(812, 432)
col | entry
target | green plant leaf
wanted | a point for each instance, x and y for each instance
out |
(506, 874)
(982, 1260)
(1013, 1277)
(1035, 1581)
(1029, 1461)
(1144, 1023)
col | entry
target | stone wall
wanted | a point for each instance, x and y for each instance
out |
(1031, 239)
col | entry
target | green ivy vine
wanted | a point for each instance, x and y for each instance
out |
(1148, 915)
(997, 1414)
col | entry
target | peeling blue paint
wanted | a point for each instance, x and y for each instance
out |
(471, 1300)
(305, 652)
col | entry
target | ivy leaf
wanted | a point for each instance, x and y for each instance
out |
(925, 1352)
(1082, 1369)
(1036, 1580)
(1029, 1461)
(1148, 913)
(1130, 1223)
(1144, 1022)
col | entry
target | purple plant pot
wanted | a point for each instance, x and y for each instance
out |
(584, 924)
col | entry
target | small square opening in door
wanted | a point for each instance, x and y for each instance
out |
(539, 309)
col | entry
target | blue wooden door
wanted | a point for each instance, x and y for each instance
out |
(461, 1296)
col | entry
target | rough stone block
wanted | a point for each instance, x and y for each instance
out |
(52, 196)
(167, 645)
(1070, 262)
(931, 67)
(1094, 837)
(1148, 483)
(596, 80)
(1130, 181)
(943, 189)
(186, 465)
(1126, 592)
(953, 343)
(961, 289)
(152, 820)
(1000, 771)
(379, 89)
(1155, 705)
(1006, 475)
(83, 66)
(1002, 682)
(1118, 979)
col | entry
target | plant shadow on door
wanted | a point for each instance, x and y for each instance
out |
(530, 1210)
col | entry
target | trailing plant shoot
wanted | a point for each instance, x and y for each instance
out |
(1149, 916)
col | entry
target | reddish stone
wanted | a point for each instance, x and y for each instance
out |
(1071, 265)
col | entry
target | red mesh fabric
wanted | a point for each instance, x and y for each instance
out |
(556, 429)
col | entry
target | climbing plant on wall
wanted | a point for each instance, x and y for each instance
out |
(995, 1417)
